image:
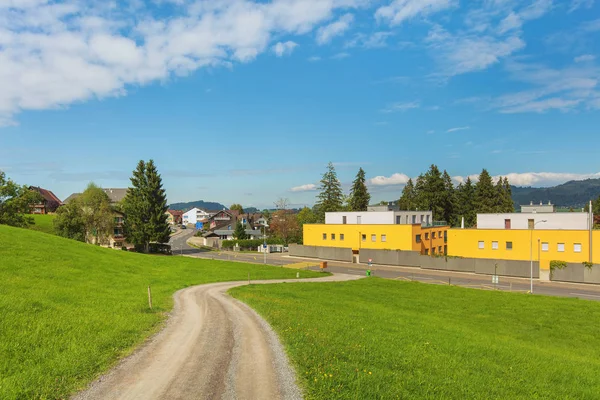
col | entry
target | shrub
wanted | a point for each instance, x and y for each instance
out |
(556, 264)
(588, 265)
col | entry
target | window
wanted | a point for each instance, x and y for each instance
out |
(530, 224)
(545, 247)
(433, 235)
(397, 220)
(228, 227)
(383, 238)
(373, 238)
(440, 249)
(507, 224)
(445, 249)
(426, 252)
(333, 236)
(344, 220)
(561, 248)
(418, 238)
(508, 245)
(414, 219)
(324, 236)
(494, 245)
(422, 218)
(341, 236)
(427, 236)
(364, 238)
(577, 247)
(481, 245)
(433, 250)
(358, 219)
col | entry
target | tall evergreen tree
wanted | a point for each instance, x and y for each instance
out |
(435, 192)
(240, 231)
(159, 227)
(449, 200)
(500, 205)
(466, 203)
(145, 206)
(359, 194)
(485, 194)
(407, 200)
(330, 199)
(509, 205)
(420, 194)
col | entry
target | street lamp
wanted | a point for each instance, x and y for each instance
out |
(531, 255)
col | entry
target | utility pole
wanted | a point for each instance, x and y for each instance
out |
(591, 227)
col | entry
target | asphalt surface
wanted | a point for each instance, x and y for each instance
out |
(213, 347)
(560, 289)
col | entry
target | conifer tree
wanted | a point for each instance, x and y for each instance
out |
(240, 232)
(330, 199)
(465, 201)
(485, 194)
(145, 206)
(509, 205)
(435, 192)
(359, 194)
(407, 200)
(449, 200)
(500, 205)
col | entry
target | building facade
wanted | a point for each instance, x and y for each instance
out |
(379, 218)
(546, 221)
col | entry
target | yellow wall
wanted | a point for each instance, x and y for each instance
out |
(398, 237)
(465, 243)
(424, 247)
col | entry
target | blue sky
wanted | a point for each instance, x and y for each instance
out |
(246, 101)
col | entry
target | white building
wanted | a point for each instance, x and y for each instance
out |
(194, 215)
(538, 208)
(546, 221)
(379, 218)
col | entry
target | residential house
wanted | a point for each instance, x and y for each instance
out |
(117, 239)
(195, 216)
(50, 202)
(542, 216)
(222, 219)
(174, 217)
(213, 238)
(114, 195)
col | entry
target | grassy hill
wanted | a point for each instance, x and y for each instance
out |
(574, 194)
(43, 223)
(70, 310)
(383, 339)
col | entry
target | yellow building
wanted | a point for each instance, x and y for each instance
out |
(429, 240)
(505, 244)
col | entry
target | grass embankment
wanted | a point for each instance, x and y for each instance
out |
(68, 310)
(43, 223)
(381, 339)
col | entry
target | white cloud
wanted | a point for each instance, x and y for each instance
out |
(400, 107)
(534, 178)
(584, 58)
(340, 56)
(55, 54)
(326, 33)
(401, 10)
(577, 4)
(395, 179)
(314, 59)
(372, 41)
(460, 128)
(309, 187)
(284, 48)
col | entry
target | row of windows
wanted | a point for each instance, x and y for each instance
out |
(363, 237)
(560, 247)
(439, 250)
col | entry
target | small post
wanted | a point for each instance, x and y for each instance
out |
(510, 286)
(149, 297)
(449, 281)
(248, 278)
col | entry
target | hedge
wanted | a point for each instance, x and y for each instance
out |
(248, 244)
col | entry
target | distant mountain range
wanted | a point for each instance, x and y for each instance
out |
(574, 194)
(206, 205)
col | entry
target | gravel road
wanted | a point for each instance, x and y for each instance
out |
(212, 347)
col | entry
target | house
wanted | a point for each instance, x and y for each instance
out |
(174, 217)
(384, 230)
(542, 216)
(117, 239)
(213, 238)
(114, 195)
(223, 218)
(194, 216)
(49, 202)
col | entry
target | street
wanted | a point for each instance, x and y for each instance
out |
(468, 280)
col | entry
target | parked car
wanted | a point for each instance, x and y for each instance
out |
(183, 227)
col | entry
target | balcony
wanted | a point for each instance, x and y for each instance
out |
(433, 224)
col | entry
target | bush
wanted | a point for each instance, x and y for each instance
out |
(588, 265)
(155, 248)
(556, 264)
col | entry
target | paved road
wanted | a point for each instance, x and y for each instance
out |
(213, 347)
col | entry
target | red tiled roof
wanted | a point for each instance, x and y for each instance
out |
(175, 213)
(47, 195)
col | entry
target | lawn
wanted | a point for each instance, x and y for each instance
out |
(382, 339)
(69, 310)
(43, 223)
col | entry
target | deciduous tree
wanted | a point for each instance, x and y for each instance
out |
(237, 207)
(14, 202)
(97, 215)
(359, 194)
(69, 221)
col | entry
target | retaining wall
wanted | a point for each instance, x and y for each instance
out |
(577, 273)
(325, 253)
(391, 257)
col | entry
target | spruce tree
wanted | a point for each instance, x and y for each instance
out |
(449, 200)
(465, 201)
(435, 192)
(240, 231)
(159, 228)
(407, 200)
(359, 194)
(330, 199)
(485, 194)
(420, 194)
(500, 205)
(145, 206)
(509, 205)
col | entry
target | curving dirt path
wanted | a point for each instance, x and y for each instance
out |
(213, 347)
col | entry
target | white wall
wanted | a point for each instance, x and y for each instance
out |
(190, 217)
(567, 221)
(366, 217)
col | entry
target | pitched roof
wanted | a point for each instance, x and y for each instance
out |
(175, 213)
(115, 195)
(46, 194)
(71, 197)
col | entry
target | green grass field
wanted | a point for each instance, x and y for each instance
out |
(381, 339)
(69, 310)
(43, 223)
